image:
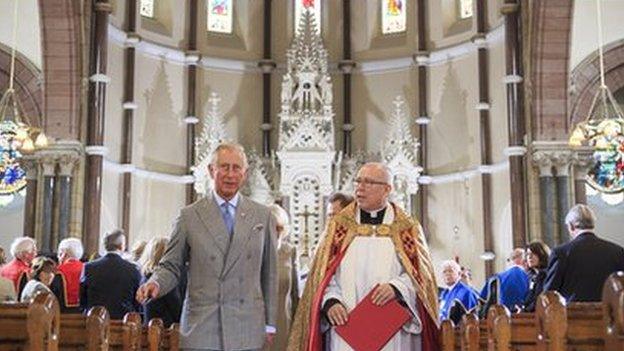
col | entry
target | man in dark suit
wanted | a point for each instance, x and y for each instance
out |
(578, 269)
(111, 281)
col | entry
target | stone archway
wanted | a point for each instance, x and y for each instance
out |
(585, 79)
(27, 83)
(550, 54)
(62, 43)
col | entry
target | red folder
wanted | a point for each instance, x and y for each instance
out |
(370, 327)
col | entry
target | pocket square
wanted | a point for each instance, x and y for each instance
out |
(258, 227)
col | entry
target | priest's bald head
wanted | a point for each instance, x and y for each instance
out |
(372, 186)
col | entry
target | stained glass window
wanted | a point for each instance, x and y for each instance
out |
(607, 174)
(311, 5)
(465, 9)
(393, 16)
(147, 8)
(220, 16)
(12, 176)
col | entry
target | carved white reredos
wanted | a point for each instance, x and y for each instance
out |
(399, 151)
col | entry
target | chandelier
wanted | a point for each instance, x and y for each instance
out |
(603, 130)
(16, 134)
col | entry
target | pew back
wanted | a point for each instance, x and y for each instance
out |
(30, 326)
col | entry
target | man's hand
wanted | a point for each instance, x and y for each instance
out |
(268, 341)
(382, 294)
(337, 314)
(146, 291)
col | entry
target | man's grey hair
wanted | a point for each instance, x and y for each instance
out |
(114, 240)
(581, 217)
(451, 264)
(387, 174)
(72, 247)
(230, 147)
(21, 245)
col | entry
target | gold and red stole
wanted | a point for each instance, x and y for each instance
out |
(413, 253)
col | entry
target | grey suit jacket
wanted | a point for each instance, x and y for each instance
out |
(231, 291)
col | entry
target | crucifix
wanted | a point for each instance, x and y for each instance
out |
(305, 240)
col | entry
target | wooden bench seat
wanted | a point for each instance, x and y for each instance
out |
(613, 312)
(125, 335)
(30, 326)
(80, 332)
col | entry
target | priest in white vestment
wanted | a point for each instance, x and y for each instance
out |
(370, 243)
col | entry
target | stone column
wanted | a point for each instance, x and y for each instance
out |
(64, 178)
(543, 161)
(96, 112)
(516, 122)
(31, 167)
(47, 209)
(423, 119)
(582, 161)
(562, 161)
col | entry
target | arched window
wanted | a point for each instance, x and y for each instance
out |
(147, 8)
(220, 16)
(314, 6)
(465, 9)
(393, 16)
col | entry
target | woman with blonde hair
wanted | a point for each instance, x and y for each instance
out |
(287, 290)
(167, 307)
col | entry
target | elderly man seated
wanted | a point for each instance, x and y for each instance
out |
(66, 284)
(24, 250)
(456, 291)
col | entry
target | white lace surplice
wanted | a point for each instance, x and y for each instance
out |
(370, 261)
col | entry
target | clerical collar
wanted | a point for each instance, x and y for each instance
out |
(373, 214)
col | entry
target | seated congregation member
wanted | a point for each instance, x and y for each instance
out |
(537, 259)
(168, 307)
(336, 202)
(111, 281)
(66, 285)
(287, 279)
(513, 283)
(456, 291)
(578, 269)
(23, 249)
(43, 270)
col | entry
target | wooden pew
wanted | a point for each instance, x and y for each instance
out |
(171, 338)
(152, 335)
(613, 311)
(30, 326)
(578, 326)
(508, 332)
(125, 335)
(80, 332)
(448, 335)
(470, 333)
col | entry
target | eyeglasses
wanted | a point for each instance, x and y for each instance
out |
(367, 182)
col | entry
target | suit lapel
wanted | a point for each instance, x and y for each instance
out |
(211, 217)
(242, 232)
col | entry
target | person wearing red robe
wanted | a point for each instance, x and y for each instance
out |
(23, 250)
(69, 252)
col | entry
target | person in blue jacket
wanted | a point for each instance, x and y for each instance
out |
(456, 292)
(513, 283)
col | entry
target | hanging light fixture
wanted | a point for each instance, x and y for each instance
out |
(603, 129)
(16, 134)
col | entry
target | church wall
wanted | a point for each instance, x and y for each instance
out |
(241, 104)
(28, 27)
(367, 40)
(584, 39)
(455, 225)
(155, 206)
(498, 103)
(246, 41)
(113, 137)
(501, 219)
(372, 105)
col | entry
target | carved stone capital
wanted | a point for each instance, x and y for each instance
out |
(67, 164)
(48, 164)
(543, 161)
(30, 165)
(582, 160)
(561, 161)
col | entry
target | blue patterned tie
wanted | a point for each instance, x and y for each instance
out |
(227, 217)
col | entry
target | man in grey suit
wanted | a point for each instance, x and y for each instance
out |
(229, 244)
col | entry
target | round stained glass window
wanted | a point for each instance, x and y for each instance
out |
(12, 176)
